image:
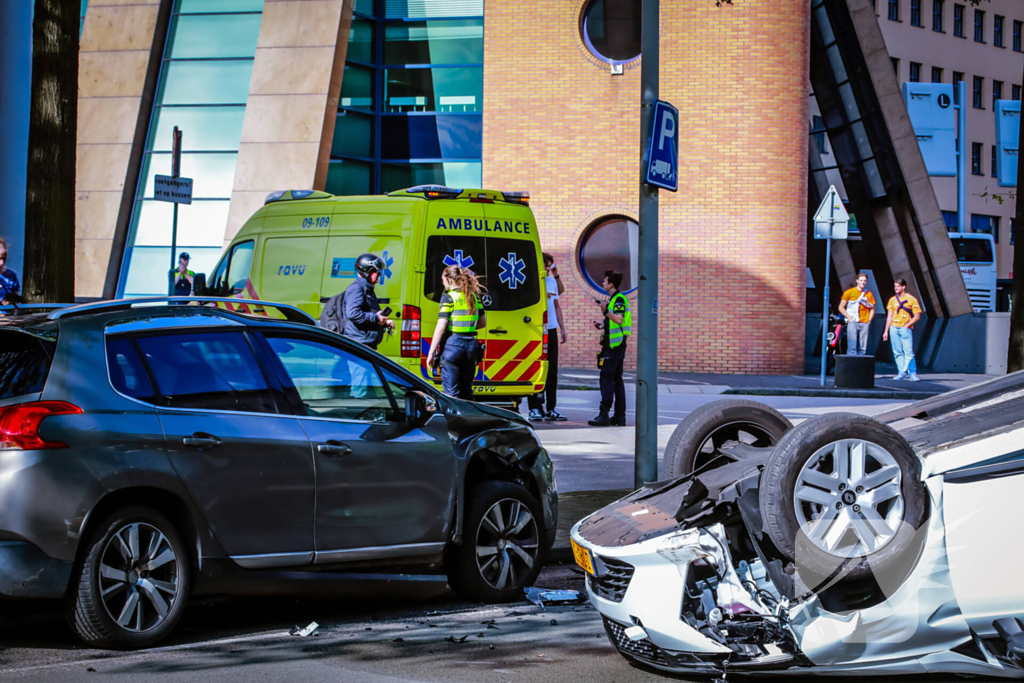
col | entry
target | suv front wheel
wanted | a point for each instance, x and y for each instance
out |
(129, 588)
(501, 551)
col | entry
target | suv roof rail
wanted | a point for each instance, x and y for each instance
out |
(18, 308)
(291, 313)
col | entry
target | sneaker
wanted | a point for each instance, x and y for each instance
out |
(900, 376)
(555, 415)
(914, 378)
(535, 414)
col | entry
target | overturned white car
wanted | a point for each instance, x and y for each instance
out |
(844, 545)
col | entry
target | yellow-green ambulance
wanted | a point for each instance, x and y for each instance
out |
(300, 248)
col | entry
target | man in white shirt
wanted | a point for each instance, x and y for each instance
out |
(556, 329)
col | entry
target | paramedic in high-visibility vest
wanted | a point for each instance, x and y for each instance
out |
(618, 325)
(459, 316)
(183, 277)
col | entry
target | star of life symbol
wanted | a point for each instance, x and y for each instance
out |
(457, 259)
(388, 262)
(512, 271)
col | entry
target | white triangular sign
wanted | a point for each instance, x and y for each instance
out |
(832, 207)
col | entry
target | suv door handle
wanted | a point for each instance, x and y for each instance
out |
(201, 441)
(334, 449)
(498, 331)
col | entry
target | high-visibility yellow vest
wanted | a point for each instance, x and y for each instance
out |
(617, 333)
(464, 313)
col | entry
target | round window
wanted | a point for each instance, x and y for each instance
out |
(611, 29)
(611, 243)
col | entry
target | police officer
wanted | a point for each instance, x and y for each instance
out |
(459, 317)
(183, 277)
(618, 324)
(364, 322)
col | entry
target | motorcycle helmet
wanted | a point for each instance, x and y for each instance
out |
(367, 264)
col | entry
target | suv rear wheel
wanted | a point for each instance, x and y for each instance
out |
(501, 551)
(128, 590)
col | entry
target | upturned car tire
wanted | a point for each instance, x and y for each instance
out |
(845, 523)
(693, 442)
(502, 544)
(129, 585)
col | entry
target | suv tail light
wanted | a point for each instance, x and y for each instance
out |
(410, 331)
(19, 424)
(544, 347)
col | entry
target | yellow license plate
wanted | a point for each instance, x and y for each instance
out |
(583, 557)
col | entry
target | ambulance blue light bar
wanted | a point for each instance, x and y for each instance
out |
(433, 191)
(517, 197)
(286, 195)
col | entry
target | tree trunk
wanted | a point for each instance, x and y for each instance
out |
(49, 269)
(1015, 352)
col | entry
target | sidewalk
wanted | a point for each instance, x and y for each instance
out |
(931, 384)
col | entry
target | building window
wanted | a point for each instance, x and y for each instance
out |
(979, 26)
(611, 29)
(976, 152)
(1015, 92)
(894, 10)
(936, 75)
(997, 30)
(958, 77)
(997, 91)
(988, 225)
(950, 219)
(1017, 25)
(915, 72)
(937, 15)
(979, 83)
(993, 161)
(203, 90)
(610, 243)
(958, 21)
(915, 12)
(895, 67)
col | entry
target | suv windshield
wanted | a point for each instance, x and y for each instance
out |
(507, 267)
(24, 363)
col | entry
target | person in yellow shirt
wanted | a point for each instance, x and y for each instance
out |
(904, 311)
(858, 307)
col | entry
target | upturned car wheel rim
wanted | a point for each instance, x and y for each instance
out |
(849, 499)
(507, 543)
(138, 576)
(749, 433)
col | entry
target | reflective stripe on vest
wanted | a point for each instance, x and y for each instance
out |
(617, 333)
(464, 315)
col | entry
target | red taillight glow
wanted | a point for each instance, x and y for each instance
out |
(410, 331)
(19, 424)
(544, 347)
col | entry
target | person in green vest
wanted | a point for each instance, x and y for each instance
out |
(618, 326)
(459, 317)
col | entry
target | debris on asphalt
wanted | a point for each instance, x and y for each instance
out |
(479, 635)
(490, 647)
(303, 631)
(398, 640)
(539, 596)
(92, 670)
(554, 622)
(453, 639)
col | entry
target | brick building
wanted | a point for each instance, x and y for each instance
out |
(364, 96)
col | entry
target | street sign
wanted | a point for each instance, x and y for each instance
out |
(831, 220)
(663, 147)
(933, 116)
(1007, 141)
(170, 189)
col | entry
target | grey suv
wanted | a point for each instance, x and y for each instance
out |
(149, 452)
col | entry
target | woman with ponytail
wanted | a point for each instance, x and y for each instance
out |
(459, 317)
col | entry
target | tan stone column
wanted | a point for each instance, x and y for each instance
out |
(118, 63)
(293, 100)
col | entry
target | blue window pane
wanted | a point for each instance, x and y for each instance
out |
(434, 42)
(218, 82)
(357, 87)
(346, 177)
(353, 135)
(218, 35)
(360, 41)
(428, 9)
(457, 89)
(186, 6)
(200, 223)
(147, 272)
(432, 137)
(367, 7)
(398, 176)
(212, 174)
(202, 128)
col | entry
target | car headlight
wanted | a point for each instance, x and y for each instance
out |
(686, 546)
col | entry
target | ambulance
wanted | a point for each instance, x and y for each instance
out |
(300, 248)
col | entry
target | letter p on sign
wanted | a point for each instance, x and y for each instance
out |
(668, 129)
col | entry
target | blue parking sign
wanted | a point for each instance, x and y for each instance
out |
(663, 147)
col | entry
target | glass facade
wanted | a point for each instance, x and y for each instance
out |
(203, 88)
(412, 97)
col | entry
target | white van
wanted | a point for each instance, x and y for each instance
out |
(976, 253)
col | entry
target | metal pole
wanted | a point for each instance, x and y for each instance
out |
(961, 175)
(825, 323)
(175, 172)
(646, 463)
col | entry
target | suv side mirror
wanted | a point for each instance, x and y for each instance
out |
(199, 284)
(419, 408)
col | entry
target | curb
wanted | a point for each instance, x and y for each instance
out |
(836, 393)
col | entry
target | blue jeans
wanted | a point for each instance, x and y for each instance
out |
(458, 365)
(902, 340)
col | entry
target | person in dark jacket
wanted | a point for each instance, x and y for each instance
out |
(364, 323)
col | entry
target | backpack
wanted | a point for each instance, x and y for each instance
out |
(333, 316)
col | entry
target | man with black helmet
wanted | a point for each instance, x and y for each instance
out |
(364, 322)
